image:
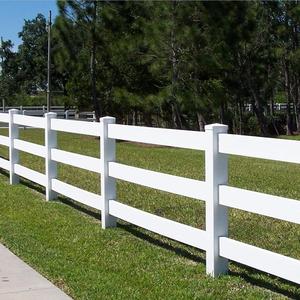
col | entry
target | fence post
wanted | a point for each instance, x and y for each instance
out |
(216, 173)
(13, 153)
(108, 184)
(51, 166)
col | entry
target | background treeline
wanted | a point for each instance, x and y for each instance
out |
(171, 63)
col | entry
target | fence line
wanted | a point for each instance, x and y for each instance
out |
(61, 111)
(216, 193)
(276, 106)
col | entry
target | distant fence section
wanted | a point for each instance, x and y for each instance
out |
(61, 112)
(280, 107)
(214, 191)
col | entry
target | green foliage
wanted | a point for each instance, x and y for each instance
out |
(9, 70)
(32, 55)
(39, 99)
(182, 63)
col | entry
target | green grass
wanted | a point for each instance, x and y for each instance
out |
(64, 241)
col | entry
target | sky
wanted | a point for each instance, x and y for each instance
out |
(13, 13)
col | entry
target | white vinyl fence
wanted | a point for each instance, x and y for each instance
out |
(218, 196)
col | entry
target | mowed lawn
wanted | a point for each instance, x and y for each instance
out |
(64, 240)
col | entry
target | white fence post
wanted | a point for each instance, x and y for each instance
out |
(216, 173)
(51, 166)
(13, 153)
(108, 184)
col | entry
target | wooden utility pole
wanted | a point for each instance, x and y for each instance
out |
(1, 73)
(49, 66)
(96, 103)
(1, 54)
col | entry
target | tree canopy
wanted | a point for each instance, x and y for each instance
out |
(178, 64)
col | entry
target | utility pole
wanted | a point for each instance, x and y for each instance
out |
(1, 73)
(1, 53)
(97, 106)
(49, 66)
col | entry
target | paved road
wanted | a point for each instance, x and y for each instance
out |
(19, 281)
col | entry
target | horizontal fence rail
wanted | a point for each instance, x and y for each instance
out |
(76, 160)
(158, 136)
(4, 118)
(28, 147)
(77, 194)
(4, 164)
(37, 122)
(259, 147)
(32, 175)
(4, 140)
(214, 190)
(79, 127)
(156, 180)
(174, 230)
(264, 260)
(263, 204)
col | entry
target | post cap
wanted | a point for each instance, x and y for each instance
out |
(13, 111)
(108, 119)
(217, 127)
(50, 115)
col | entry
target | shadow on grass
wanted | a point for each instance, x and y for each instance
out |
(84, 209)
(34, 186)
(3, 172)
(38, 188)
(132, 229)
(248, 274)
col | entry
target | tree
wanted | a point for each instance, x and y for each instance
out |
(84, 16)
(184, 63)
(32, 55)
(9, 69)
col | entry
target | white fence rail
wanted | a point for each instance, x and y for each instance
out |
(217, 195)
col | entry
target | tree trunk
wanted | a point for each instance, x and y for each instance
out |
(240, 117)
(296, 89)
(288, 94)
(176, 116)
(257, 106)
(258, 111)
(272, 106)
(222, 113)
(297, 102)
(148, 119)
(201, 121)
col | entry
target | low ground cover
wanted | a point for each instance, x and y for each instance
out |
(64, 240)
